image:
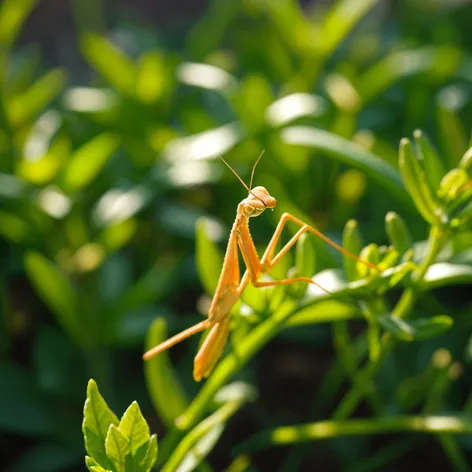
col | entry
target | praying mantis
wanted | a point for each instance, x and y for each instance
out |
(230, 284)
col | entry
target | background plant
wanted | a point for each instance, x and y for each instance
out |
(104, 177)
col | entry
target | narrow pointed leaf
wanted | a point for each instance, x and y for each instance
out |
(341, 19)
(416, 330)
(151, 455)
(411, 173)
(209, 258)
(13, 13)
(117, 448)
(164, 387)
(397, 232)
(433, 165)
(94, 466)
(88, 160)
(351, 154)
(23, 108)
(97, 419)
(134, 426)
(352, 242)
(110, 62)
(58, 294)
(430, 327)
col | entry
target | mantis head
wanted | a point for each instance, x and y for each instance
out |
(257, 201)
(259, 198)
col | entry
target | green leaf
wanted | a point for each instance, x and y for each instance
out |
(97, 420)
(310, 432)
(117, 447)
(164, 387)
(413, 177)
(445, 273)
(466, 161)
(430, 327)
(88, 160)
(351, 154)
(13, 227)
(305, 256)
(151, 455)
(251, 102)
(305, 264)
(452, 184)
(340, 20)
(151, 77)
(209, 258)
(93, 466)
(57, 292)
(110, 62)
(453, 135)
(397, 327)
(199, 450)
(407, 63)
(432, 163)
(198, 442)
(325, 312)
(98, 468)
(352, 242)
(397, 232)
(22, 109)
(90, 462)
(134, 427)
(44, 170)
(13, 14)
(416, 330)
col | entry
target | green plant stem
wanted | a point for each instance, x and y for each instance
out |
(226, 368)
(191, 438)
(356, 427)
(363, 382)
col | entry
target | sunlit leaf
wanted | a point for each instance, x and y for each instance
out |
(209, 258)
(13, 227)
(45, 168)
(97, 420)
(151, 77)
(110, 62)
(401, 64)
(87, 161)
(134, 426)
(415, 330)
(117, 448)
(13, 13)
(340, 20)
(167, 394)
(325, 312)
(445, 273)
(151, 456)
(57, 292)
(23, 108)
(345, 151)
(201, 439)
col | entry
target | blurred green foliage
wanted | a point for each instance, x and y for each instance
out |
(112, 198)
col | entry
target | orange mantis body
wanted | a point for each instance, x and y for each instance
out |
(231, 285)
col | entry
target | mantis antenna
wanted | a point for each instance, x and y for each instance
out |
(241, 180)
(254, 167)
